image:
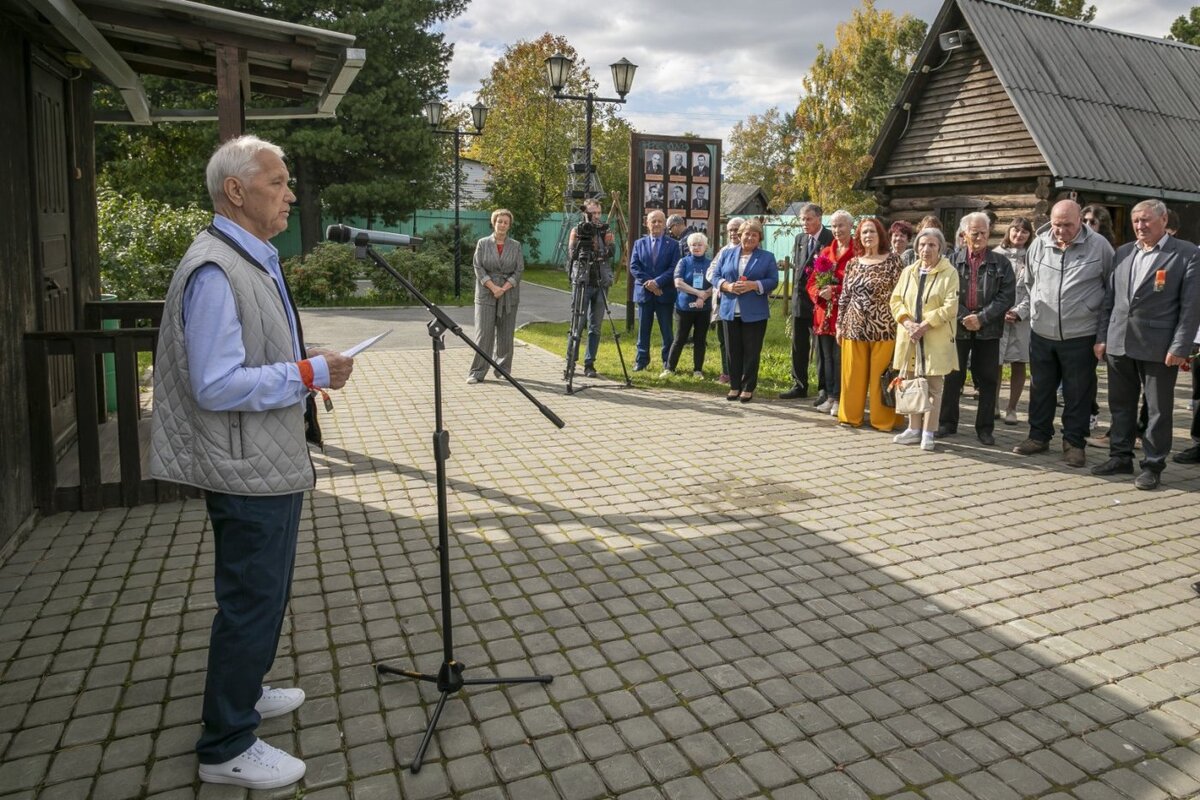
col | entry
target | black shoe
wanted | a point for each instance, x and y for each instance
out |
(590, 372)
(794, 393)
(1114, 466)
(821, 398)
(1189, 456)
(944, 431)
(986, 438)
(1146, 480)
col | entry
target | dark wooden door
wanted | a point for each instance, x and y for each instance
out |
(53, 249)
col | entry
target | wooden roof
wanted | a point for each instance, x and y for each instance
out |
(309, 68)
(1102, 110)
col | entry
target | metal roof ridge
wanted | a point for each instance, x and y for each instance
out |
(239, 18)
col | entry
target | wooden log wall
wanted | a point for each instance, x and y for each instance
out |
(1001, 200)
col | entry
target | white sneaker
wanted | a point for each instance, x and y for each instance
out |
(825, 406)
(473, 379)
(698, 374)
(277, 702)
(910, 436)
(927, 443)
(260, 767)
(666, 373)
(833, 408)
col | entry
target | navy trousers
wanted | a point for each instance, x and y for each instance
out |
(255, 552)
(648, 312)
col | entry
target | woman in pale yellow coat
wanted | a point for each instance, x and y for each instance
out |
(925, 305)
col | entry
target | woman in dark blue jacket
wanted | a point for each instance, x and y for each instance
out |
(745, 278)
(693, 305)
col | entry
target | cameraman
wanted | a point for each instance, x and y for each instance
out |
(596, 273)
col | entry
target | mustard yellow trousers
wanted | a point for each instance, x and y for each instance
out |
(862, 364)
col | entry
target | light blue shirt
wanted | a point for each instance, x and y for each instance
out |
(213, 336)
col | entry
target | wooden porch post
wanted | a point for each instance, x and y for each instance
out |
(231, 102)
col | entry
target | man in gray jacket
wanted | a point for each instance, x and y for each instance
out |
(1148, 323)
(1068, 270)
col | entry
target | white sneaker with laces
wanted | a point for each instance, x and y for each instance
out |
(277, 702)
(928, 443)
(910, 436)
(260, 767)
(825, 406)
(833, 408)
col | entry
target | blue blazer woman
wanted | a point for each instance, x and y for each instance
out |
(753, 306)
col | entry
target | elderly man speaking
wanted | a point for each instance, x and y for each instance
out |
(231, 382)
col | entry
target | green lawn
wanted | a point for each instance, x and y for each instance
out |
(547, 275)
(774, 375)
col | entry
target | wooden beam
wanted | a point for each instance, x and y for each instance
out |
(231, 105)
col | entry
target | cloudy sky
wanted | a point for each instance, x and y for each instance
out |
(706, 68)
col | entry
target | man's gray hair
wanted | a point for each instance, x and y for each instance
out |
(236, 158)
(735, 222)
(972, 218)
(841, 213)
(1156, 207)
(935, 234)
(813, 207)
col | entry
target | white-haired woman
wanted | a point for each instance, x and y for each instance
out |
(498, 266)
(925, 306)
(693, 305)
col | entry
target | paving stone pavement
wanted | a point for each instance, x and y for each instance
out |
(734, 602)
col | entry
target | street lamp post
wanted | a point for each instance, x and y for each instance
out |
(558, 68)
(434, 111)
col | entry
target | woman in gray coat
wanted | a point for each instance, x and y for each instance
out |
(498, 266)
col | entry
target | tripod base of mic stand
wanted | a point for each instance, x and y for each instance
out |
(449, 680)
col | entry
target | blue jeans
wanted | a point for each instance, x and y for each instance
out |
(594, 301)
(255, 539)
(1072, 363)
(647, 313)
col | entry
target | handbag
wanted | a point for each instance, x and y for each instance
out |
(887, 393)
(913, 396)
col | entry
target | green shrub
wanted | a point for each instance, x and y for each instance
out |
(431, 273)
(325, 276)
(141, 242)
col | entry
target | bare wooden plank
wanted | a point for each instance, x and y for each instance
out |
(231, 106)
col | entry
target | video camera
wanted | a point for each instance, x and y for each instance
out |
(589, 251)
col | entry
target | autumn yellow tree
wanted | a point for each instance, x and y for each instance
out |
(529, 134)
(847, 94)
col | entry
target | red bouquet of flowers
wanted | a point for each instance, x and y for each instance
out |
(824, 271)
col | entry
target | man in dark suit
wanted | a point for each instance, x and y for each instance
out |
(1147, 324)
(678, 167)
(808, 243)
(652, 265)
(654, 196)
(701, 168)
(701, 201)
(654, 165)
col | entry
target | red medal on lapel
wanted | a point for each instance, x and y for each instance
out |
(1160, 279)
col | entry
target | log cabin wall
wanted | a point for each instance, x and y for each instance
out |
(1002, 200)
(17, 303)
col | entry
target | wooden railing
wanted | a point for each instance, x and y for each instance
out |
(94, 444)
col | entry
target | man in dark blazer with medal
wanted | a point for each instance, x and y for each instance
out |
(809, 242)
(652, 265)
(1147, 326)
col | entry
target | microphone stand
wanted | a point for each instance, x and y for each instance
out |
(449, 678)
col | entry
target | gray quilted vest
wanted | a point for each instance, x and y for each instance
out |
(235, 452)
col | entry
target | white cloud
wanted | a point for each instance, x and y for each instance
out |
(704, 70)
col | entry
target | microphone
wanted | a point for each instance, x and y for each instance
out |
(344, 233)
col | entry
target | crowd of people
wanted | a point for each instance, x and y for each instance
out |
(1050, 304)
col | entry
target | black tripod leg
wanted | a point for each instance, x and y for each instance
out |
(419, 757)
(616, 336)
(578, 293)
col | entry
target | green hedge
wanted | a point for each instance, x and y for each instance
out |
(141, 242)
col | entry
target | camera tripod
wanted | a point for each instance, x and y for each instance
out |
(580, 307)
